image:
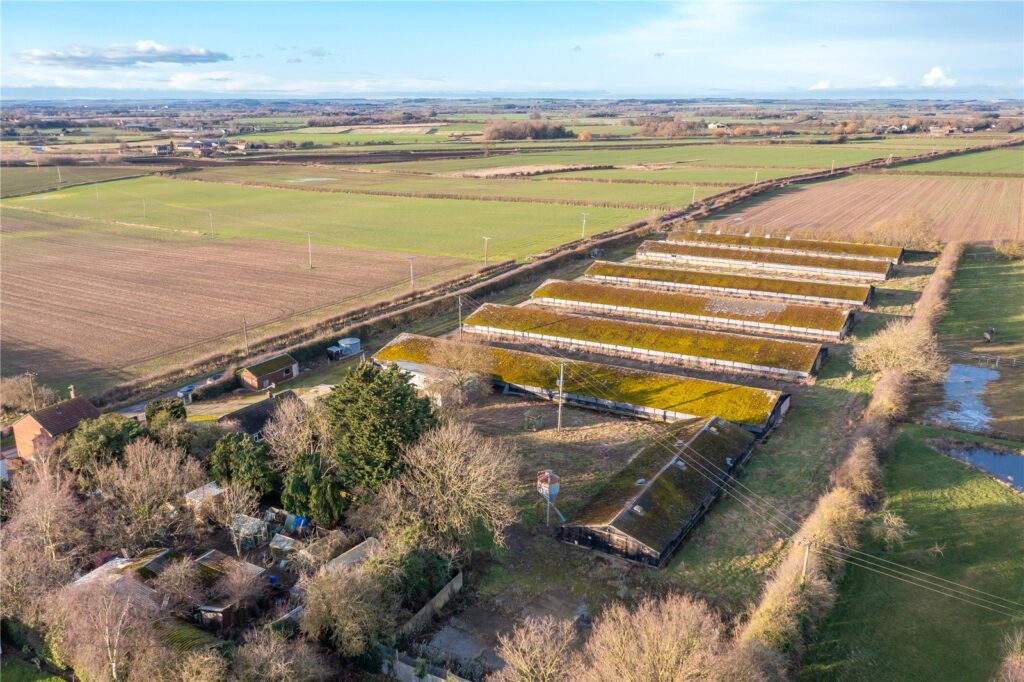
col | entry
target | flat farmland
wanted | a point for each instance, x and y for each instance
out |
(92, 304)
(681, 173)
(970, 209)
(16, 180)
(431, 227)
(334, 179)
(992, 161)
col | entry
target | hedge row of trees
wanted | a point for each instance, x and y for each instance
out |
(526, 130)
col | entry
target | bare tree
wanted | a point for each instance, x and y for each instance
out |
(295, 430)
(235, 499)
(902, 346)
(459, 371)
(182, 584)
(1012, 667)
(891, 529)
(239, 586)
(202, 666)
(911, 230)
(102, 627)
(267, 656)
(538, 650)
(347, 607)
(672, 639)
(144, 495)
(453, 478)
(21, 393)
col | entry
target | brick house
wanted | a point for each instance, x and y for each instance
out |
(41, 428)
(273, 371)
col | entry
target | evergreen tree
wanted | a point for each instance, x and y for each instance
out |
(310, 491)
(236, 457)
(98, 442)
(375, 414)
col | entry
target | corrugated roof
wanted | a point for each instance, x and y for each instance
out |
(64, 416)
(653, 497)
(271, 365)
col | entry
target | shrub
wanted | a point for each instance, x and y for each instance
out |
(891, 529)
(860, 471)
(890, 398)
(905, 347)
(1011, 249)
(911, 230)
(98, 442)
(1012, 667)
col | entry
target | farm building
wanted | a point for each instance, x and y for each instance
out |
(271, 371)
(718, 351)
(771, 261)
(214, 565)
(634, 392)
(731, 313)
(40, 429)
(806, 247)
(252, 418)
(646, 510)
(718, 283)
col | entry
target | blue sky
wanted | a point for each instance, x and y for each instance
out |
(588, 49)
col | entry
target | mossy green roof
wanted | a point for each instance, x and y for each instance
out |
(825, 318)
(670, 493)
(751, 283)
(271, 365)
(686, 395)
(874, 267)
(794, 356)
(818, 245)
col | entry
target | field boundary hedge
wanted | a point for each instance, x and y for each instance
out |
(802, 590)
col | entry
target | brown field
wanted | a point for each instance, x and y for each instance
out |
(971, 209)
(93, 304)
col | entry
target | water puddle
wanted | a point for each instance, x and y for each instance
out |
(1006, 466)
(311, 180)
(961, 392)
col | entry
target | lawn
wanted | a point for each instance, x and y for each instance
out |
(411, 225)
(884, 629)
(663, 197)
(993, 161)
(16, 670)
(28, 179)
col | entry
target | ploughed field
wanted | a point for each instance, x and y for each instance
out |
(92, 303)
(963, 208)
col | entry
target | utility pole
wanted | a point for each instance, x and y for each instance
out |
(803, 571)
(309, 246)
(486, 240)
(460, 317)
(833, 167)
(756, 173)
(412, 276)
(693, 197)
(32, 388)
(60, 181)
(583, 232)
(561, 392)
(211, 219)
(245, 333)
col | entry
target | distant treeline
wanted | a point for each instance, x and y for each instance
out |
(525, 130)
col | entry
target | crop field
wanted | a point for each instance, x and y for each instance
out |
(884, 629)
(91, 303)
(430, 227)
(993, 161)
(680, 173)
(699, 397)
(320, 178)
(970, 209)
(16, 180)
(826, 319)
(792, 356)
(747, 284)
(758, 259)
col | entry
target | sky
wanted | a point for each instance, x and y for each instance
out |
(719, 48)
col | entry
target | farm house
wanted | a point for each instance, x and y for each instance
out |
(736, 314)
(638, 393)
(647, 509)
(40, 429)
(716, 351)
(806, 247)
(773, 261)
(271, 371)
(718, 283)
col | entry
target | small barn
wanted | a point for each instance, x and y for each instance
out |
(271, 371)
(221, 613)
(646, 510)
(40, 429)
(252, 418)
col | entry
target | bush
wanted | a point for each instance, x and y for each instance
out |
(910, 230)
(904, 347)
(890, 398)
(1012, 667)
(1013, 250)
(98, 442)
(860, 471)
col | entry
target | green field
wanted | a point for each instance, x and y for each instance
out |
(683, 174)
(883, 629)
(424, 226)
(664, 197)
(15, 180)
(993, 161)
(16, 670)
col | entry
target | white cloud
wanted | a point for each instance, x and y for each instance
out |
(821, 85)
(888, 82)
(140, 52)
(937, 78)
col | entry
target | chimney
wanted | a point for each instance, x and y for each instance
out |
(71, 390)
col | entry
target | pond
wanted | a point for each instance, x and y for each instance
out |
(1005, 465)
(962, 406)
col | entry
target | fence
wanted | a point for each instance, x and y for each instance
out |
(399, 665)
(431, 608)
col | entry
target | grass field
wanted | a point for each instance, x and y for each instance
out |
(989, 292)
(994, 161)
(439, 227)
(682, 174)
(16, 670)
(883, 629)
(971, 209)
(29, 179)
(664, 197)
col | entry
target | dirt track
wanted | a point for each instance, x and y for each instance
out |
(973, 209)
